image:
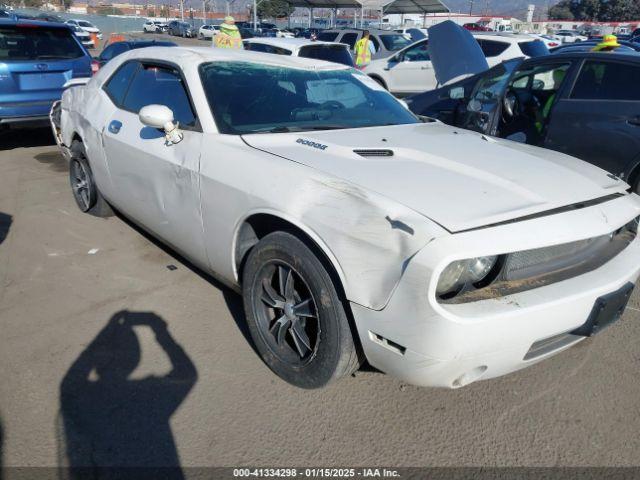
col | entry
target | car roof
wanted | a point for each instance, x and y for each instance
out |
(375, 31)
(38, 23)
(588, 55)
(289, 42)
(186, 56)
(509, 37)
(146, 43)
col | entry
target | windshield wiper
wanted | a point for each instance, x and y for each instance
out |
(306, 128)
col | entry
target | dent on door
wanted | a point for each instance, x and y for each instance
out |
(158, 183)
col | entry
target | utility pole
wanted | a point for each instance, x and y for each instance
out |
(182, 10)
(255, 14)
(470, 7)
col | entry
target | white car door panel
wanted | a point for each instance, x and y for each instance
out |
(412, 72)
(155, 183)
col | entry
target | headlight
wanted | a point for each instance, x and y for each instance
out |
(463, 272)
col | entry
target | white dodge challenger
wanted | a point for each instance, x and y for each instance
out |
(353, 229)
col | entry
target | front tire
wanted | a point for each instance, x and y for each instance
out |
(295, 316)
(83, 186)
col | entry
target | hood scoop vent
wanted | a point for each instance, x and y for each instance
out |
(374, 153)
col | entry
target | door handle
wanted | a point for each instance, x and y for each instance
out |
(115, 126)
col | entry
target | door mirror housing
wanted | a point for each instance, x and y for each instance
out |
(156, 116)
(161, 117)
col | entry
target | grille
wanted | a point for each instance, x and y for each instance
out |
(374, 153)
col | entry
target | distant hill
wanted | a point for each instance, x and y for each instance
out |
(514, 8)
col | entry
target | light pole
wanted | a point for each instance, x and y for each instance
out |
(255, 14)
(182, 10)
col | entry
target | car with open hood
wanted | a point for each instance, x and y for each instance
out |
(583, 104)
(411, 70)
(353, 228)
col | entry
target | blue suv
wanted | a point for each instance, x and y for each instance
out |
(36, 60)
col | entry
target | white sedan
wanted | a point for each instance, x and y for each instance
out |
(352, 228)
(86, 26)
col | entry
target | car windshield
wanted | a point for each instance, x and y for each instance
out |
(394, 42)
(37, 43)
(84, 23)
(256, 98)
(537, 48)
(330, 53)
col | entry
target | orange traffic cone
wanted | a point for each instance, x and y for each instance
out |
(94, 39)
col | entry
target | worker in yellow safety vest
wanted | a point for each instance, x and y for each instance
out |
(608, 44)
(228, 36)
(363, 50)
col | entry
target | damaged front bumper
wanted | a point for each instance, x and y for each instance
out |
(428, 342)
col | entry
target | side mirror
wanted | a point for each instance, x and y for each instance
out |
(161, 117)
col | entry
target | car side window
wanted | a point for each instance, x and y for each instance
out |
(113, 50)
(417, 53)
(328, 36)
(600, 80)
(257, 47)
(491, 48)
(350, 39)
(160, 85)
(116, 86)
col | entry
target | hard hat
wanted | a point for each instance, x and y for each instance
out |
(608, 41)
(229, 19)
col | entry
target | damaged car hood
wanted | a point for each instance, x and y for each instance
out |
(457, 178)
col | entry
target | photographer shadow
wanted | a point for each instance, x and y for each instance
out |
(112, 423)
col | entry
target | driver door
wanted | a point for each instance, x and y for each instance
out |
(481, 111)
(155, 183)
(411, 70)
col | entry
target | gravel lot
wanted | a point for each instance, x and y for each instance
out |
(81, 295)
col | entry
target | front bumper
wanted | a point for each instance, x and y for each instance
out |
(428, 343)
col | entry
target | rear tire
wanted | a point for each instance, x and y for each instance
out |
(295, 316)
(83, 186)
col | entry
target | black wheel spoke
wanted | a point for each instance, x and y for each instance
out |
(282, 277)
(289, 314)
(279, 329)
(270, 296)
(305, 309)
(300, 338)
(288, 287)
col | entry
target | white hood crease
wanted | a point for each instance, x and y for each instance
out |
(459, 179)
